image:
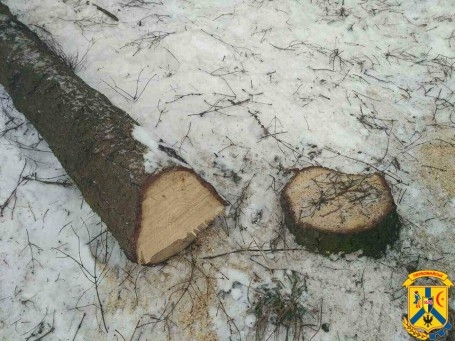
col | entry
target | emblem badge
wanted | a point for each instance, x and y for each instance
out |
(428, 306)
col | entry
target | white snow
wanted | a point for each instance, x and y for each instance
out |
(244, 91)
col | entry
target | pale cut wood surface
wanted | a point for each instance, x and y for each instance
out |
(331, 212)
(333, 201)
(175, 209)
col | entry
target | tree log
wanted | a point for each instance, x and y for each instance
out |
(152, 216)
(332, 212)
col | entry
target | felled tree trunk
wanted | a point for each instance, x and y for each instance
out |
(151, 216)
(332, 212)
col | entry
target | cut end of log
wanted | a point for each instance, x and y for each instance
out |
(330, 211)
(176, 207)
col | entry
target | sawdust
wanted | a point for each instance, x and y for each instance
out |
(196, 320)
(437, 167)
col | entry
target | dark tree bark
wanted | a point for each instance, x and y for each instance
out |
(331, 212)
(151, 216)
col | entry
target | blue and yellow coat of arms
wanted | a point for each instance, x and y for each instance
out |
(428, 306)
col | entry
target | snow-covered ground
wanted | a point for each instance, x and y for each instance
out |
(245, 91)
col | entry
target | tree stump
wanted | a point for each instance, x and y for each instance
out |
(332, 212)
(153, 214)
